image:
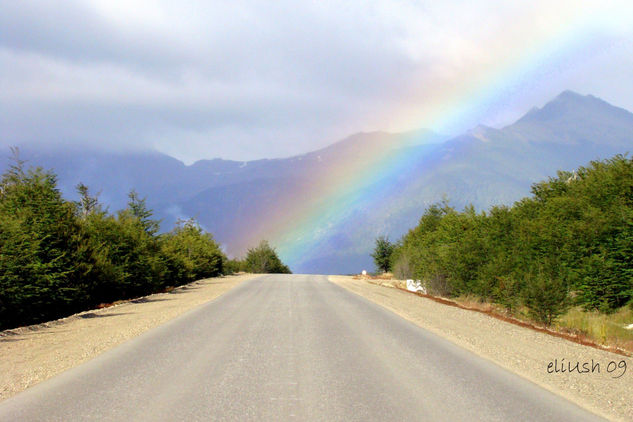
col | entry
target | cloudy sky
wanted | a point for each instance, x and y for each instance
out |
(247, 79)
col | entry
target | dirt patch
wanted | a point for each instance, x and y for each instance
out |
(35, 353)
(522, 350)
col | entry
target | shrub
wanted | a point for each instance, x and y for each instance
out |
(264, 259)
(382, 254)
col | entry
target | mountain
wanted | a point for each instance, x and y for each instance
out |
(241, 202)
(226, 196)
(111, 174)
(488, 166)
(483, 167)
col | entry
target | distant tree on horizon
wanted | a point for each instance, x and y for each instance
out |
(382, 253)
(264, 259)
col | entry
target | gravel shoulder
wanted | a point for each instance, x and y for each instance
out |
(35, 353)
(520, 350)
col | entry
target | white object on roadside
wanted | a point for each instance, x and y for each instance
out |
(416, 286)
(629, 327)
(364, 272)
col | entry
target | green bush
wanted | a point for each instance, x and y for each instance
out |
(264, 259)
(59, 257)
(382, 254)
(42, 253)
(232, 266)
(193, 253)
(573, 238)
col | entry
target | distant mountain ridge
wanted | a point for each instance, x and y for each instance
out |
(484, 166)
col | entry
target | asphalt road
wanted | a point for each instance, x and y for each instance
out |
(285, 348)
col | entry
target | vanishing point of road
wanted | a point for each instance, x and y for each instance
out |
(289, 348)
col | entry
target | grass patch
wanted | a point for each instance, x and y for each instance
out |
(607, 329)
(591, 328)
(585, 327)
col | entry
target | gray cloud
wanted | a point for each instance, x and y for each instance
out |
(251, 79)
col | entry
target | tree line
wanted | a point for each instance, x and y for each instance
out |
(58, 257)
(569, 243)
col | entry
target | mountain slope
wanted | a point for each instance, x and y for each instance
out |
(488, 166)
(242, 202)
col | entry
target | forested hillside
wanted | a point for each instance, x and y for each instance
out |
(571, 242)
(58, 257)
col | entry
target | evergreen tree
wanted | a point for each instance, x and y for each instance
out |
(138, 208)
(58, 257)
(382, 254)
(87, 203)
(264, 259)
(573, 238)
(193, 254)
(41, 253)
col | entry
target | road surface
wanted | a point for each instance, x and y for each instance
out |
(286, 348)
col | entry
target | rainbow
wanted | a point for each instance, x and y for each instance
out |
(304, 218)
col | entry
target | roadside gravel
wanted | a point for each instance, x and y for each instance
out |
(35, 353)
(521, 350)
